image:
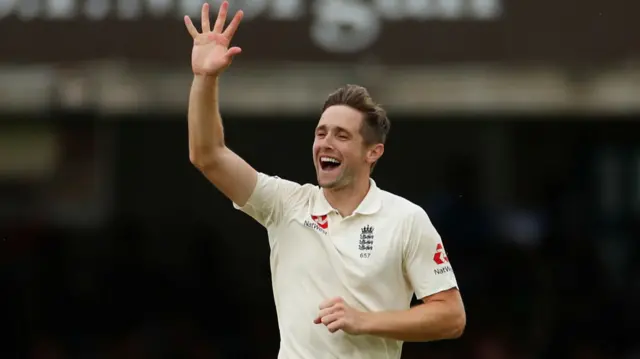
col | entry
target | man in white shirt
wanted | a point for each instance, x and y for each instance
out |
(346, 256)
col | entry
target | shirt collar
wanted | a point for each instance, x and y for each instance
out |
(369, 205)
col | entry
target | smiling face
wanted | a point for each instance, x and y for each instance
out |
(340, 152)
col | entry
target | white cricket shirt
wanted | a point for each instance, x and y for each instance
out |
(375, 259)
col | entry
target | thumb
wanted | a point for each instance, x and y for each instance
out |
(233, 52)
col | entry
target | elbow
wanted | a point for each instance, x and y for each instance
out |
(458, 324)
(203, 158)
(203, 163)
(197, 160)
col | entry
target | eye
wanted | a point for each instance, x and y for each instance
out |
(343, 135)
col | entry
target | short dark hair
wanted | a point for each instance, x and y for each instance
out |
(376, 124)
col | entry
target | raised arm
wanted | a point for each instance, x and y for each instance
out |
(211, 55)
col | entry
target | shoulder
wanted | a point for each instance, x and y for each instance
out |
(272, 190)
(410, 217)
(402, 208)
(293, 193)
(290, 187)
(308, 190)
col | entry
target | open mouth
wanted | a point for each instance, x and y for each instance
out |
(329, 163)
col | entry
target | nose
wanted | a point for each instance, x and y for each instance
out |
(328, 140)
(325, 143)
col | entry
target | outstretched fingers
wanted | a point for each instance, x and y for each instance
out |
(233, 25)
(219, 32)
(204, 18)
(222, 18)
(233, 52)
(190, 27)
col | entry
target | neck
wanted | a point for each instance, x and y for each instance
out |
(346, 199)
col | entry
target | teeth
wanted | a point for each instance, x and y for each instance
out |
(329, 159)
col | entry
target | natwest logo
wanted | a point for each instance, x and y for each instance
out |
(440, 257)
(322, 221)
(318, 223)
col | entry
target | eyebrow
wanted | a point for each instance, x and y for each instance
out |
(338, 128)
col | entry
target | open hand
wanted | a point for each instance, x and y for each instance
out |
(211, 53)
(336, 315)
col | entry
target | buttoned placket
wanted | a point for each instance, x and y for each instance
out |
(337, 223)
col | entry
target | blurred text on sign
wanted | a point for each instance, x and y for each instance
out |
(393, 32)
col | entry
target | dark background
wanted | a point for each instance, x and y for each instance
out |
(540, 218)
(112, 245)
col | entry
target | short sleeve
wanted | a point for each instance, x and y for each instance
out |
(270, 199)
(425, 260)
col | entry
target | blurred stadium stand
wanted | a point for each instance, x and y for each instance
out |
(515, 125)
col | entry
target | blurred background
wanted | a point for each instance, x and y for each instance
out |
(515, 125)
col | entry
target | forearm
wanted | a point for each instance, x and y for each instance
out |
(430, 321)
(205, 123)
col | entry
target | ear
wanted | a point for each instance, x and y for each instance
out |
(374, 153)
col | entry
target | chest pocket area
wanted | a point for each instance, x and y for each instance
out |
(299, 245)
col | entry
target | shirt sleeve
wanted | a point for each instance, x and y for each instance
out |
(425, 260)
(270, 199)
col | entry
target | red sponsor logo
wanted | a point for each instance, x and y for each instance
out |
(321, 221)
(440, 257)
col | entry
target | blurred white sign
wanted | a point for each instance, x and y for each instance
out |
(341, 26)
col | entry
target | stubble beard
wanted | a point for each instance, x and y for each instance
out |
(340, 181)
